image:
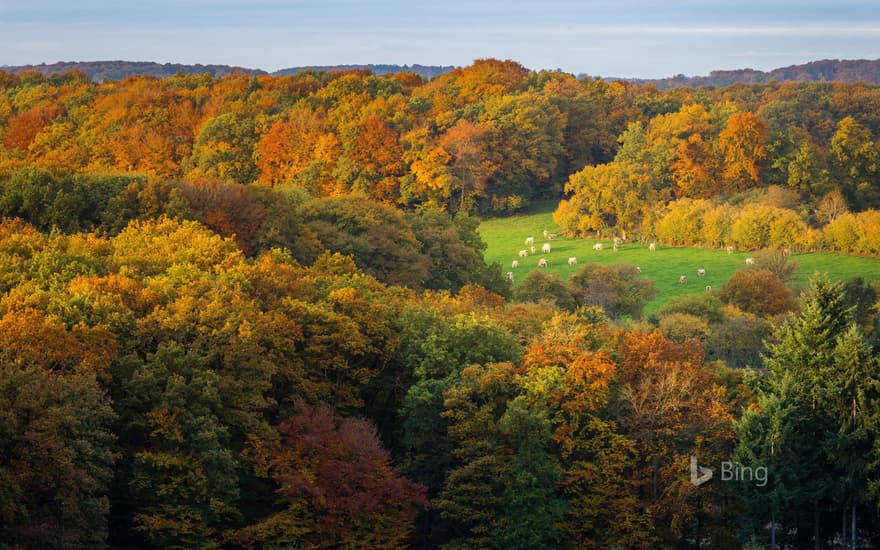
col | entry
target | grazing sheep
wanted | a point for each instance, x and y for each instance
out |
(730, 250)
(682, 280)
(543, 262)
(572, 261)
(597, 246)
(638, 269)
(514, 264)
(551, 236)
(614, 246)
(546, 233)
(530, 241)
(618, 241)
(701, 273)
(750, 261)
(652, 247)
(708, 288)
(545, 248)
(523, 253)
(534, 249)
(510, 276)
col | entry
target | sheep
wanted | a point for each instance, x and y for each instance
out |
(618, 241)
(652, 247)
(551, 236)
(701, 273)
(546, 233)
(708, 288)
(572, 261)
(514, 264)
(530, 241)
(543, 263)
(786, 251)
(545, 248)
(523, 253)
(534, 250)
(597, 246)
(510, 276)
(638, 269)
(730, 250)
(614, 246)
(682, 280)
(750, 261)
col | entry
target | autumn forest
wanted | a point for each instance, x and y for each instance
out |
(254, 311)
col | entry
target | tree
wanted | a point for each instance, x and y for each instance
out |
(301, 150)
(618, 290)
(467, 147)
(376, 235)
(56, 440)
(670, 408)
(742, 145)
(224, 149)
(474, 496)
(855, 163)
(759, 292)
(335, 485)
(538, 286)
(814, 412)
(802, 363)
(616, 197)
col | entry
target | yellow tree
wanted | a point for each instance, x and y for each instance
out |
(742, 146)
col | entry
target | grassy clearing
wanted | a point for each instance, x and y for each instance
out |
(506, 236)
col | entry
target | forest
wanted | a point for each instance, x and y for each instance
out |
(254, 312)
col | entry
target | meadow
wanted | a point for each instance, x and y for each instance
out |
(505, 237)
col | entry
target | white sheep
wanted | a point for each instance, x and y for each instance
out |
(638, 269)
(618, 241)
(523, 253)
(701, 273)
(652, 247)
(750, 261)
(545, 248)
(514, 264)
(530, 241)
(543, 262)
(730, 250)
(534, 250)
(510, 276)
(597, 246)
(682, 280)
(708, 288)
(572, 261)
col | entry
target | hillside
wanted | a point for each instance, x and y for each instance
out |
(427, 71)
(826, 70)
(99, 71)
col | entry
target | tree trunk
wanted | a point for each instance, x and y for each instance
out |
(853, 527)
(816, 543)
(772, 530)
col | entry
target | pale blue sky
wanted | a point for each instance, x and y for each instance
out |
(629, 38)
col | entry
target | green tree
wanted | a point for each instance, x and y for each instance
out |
(224, 149)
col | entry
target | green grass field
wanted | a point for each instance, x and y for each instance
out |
(506, 236)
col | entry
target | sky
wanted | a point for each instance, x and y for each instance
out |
(622, 38)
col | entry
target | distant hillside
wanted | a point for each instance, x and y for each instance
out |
(826, 70)
(116, 70)
(427, 71)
